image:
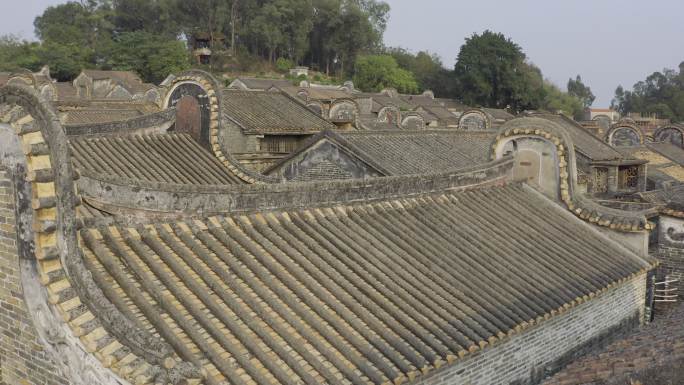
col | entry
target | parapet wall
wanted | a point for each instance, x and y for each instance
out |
(529, 357)
(126, 197)
(147, 124)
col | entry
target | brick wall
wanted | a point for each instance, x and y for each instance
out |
(671, 267)
(529, 357)
(22, 358)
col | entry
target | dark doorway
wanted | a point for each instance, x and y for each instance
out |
(188, 117)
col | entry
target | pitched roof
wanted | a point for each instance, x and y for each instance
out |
(498, 114)
(266, 112)
(128, 79)
(585, 143)
(668, 150)
(264, 84)
(94, 116)
(399, 152)
(443, 114)
(660, 166)
(66, 90)
(355, 293)
(452, 104)
(166, 158)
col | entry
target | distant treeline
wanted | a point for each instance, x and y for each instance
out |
(341, 38)
(661, 94)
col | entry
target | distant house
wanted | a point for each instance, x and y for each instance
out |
(365, 154)
(261, 127)
(604, 116)
(202, 43)
(97, 84)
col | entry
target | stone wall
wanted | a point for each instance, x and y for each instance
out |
(23, 359)
(529, 357)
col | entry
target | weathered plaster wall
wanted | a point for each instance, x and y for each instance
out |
(527, 358)
(635, 241)
(536, 163)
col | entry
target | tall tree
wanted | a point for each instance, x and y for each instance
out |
(578, 89)
(491, 71)
(154, 16)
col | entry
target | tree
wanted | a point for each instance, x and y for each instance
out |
(660, 94)
(152, 16)
(558, 101)
(152, 56)
(491, 71)
(578, 89)
(16, 54)
(65, 60)
(428, 70)
(375, 72)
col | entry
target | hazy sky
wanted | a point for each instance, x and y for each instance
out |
(607, 42)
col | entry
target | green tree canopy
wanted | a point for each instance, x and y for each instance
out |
(16, 54)
(558, 101)
(375, 72)
(152, 56)
(662, 94)
(578, 89)
(491, 71)
(428, 70)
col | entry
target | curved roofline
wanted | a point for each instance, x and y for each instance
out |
(622, 124)
(214, 91)
(584, 208)
(192, 200)
(487, 117)
(61, 265)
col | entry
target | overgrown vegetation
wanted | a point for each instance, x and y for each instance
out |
(337, 39)
(662, 94)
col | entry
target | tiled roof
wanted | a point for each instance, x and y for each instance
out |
(266, 112)
(166, 158)
(452, 104)
(669, 150)
(264, 84)
(585, 143)
(365, 294)
(94, 116)
(414, 152)
(498, 114)
(128, 79)
(661, 167)
(66, 90)
(443, 114)
(75, 111)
